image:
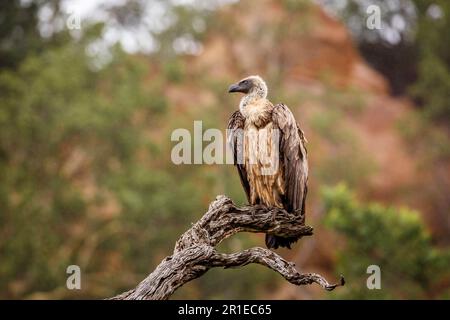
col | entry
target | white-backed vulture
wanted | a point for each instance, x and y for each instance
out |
(269, 152)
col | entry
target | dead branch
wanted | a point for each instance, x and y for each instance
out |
(195, 252)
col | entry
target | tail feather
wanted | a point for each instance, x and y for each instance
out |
(275, 241)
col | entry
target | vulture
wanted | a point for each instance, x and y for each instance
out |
(269, 152)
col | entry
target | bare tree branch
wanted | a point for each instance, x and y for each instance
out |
(195, 252)
(273, 261)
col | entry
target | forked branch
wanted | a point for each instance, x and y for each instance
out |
(195, 252)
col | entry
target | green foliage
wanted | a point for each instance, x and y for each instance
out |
(174, 70)
(18, 32)
(297, 5)
(394, 239)
(189, 27)
(433, 88)
(430, 143)
(345, 148)
(68, 137)
(433, 82)
(409, 49)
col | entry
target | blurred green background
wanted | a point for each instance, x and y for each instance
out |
(86, 116)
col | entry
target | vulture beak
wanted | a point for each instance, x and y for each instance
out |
(235, 88)
(243, 86)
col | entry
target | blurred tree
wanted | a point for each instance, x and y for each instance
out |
(18, 32)
(408, 49)
(393, 239)
(65, 133)
(432, 87)
(392, 49)
(69, 140)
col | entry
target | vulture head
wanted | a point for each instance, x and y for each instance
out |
(253, 85)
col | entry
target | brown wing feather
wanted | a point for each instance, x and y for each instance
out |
(293, 157)
(235, 139)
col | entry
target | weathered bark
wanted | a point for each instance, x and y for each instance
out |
(195, 252)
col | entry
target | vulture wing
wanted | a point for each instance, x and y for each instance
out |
(235, 132)
(293, 159)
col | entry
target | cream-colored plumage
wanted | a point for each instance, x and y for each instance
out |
(263, 173)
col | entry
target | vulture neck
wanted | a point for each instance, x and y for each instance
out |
(256, 108)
